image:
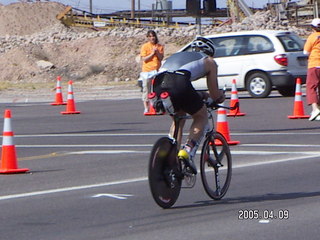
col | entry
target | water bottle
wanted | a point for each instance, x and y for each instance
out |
(167, 104)
(152, 97)
(154, 103)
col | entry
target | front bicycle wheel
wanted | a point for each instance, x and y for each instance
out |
(216, 165)
(164, 171)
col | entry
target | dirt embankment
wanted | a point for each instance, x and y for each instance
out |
(35, 47)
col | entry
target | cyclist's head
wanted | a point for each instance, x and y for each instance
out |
(316, 24)
(201, 44)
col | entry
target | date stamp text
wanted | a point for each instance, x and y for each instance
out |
(256, 214)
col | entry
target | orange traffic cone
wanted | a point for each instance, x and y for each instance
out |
(9, 162)
(234, 99)
(223, 127)
(298, 111)
(71, 106)
(58, 97)
(152, 111)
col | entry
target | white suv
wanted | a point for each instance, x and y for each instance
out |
(259, 61)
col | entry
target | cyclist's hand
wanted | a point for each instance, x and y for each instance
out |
(210, 103)
(222, 97)
(204, 95)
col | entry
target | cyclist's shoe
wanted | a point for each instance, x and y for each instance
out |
(184, 155)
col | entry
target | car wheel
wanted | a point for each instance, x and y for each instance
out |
(258, 85)
(288, 91)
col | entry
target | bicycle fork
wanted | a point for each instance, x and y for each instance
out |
(215, 164)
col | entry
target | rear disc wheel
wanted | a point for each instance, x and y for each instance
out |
(163, 175)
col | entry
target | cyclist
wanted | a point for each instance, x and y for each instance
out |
(175, 78)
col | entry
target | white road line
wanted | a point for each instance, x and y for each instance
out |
(155, 134)
(150, 145)
(102, 152)
(69, 189)
(126, 181)
(93, 135)
(235, 152)
(83, 145)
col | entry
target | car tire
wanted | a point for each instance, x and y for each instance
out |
(288, 91)
(258, 85)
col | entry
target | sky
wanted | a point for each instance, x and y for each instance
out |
(107, 6)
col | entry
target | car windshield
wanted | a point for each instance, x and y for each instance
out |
(291, 42)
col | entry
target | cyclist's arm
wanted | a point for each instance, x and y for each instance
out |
(212, 83)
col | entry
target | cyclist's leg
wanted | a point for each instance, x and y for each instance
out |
(197, 128)
(180, 131)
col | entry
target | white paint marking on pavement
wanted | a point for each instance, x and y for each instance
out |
(116, 196)
(264, 221)
(84, 145)
(274, 161)
(157, 134)
(68, 189)
(102, 152)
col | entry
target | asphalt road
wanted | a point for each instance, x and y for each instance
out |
(88, 176)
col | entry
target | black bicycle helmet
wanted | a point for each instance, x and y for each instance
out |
(204, 45)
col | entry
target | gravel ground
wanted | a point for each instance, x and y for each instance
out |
(128, 91)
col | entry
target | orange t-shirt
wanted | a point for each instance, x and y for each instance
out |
(154, 63)
(312, 46)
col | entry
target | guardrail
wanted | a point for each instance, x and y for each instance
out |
(79, 18)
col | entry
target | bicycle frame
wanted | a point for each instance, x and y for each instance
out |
(166, 171)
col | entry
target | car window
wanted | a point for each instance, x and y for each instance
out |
(229, 46)
(225, 46)
(259, 44)
(291, 42)
(240, 45)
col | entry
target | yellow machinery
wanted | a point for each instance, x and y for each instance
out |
(71, 18)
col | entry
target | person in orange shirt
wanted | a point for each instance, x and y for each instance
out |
(151, 54)
(312, 48)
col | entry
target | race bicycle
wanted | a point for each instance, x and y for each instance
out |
(167, 173)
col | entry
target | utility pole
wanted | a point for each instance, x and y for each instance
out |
(132, 8)
(90, 3)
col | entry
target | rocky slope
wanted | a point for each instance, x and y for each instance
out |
(35, 47)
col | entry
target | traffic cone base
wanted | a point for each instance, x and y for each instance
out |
(16, 170)
(239, 114)
(218, 142)
(70, 112)
(298, 117)
(75, 112)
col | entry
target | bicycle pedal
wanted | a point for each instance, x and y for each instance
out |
(170, 178)
(189, 180)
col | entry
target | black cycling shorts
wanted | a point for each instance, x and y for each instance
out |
(183, 95)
